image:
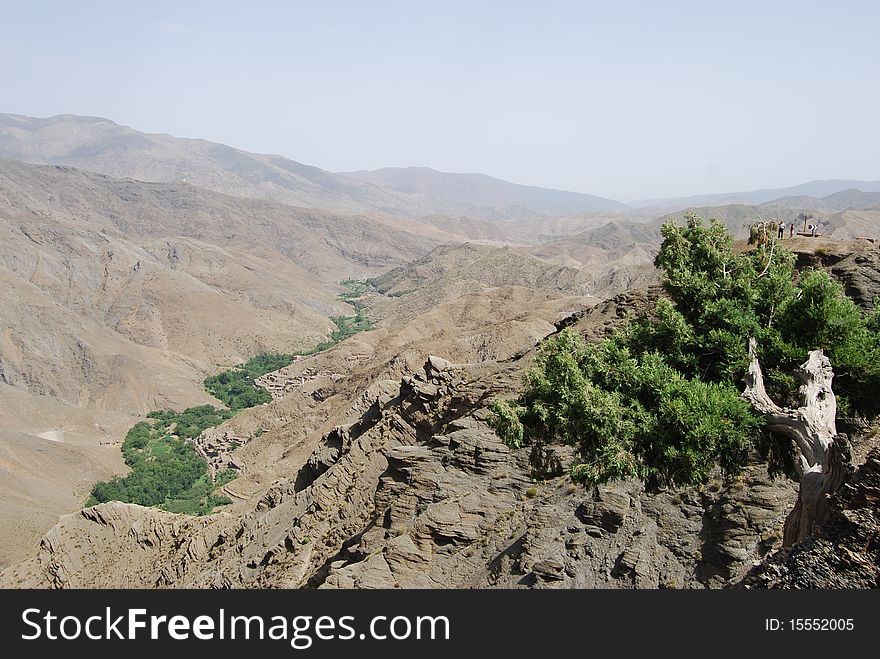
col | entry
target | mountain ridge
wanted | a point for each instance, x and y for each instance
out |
(104, 146)
(818, 189)
(101, 145)
(483, 189)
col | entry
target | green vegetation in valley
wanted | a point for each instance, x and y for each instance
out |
(165, 470)
(347, 326)
(660, 399)
(355, 288)
(236, 387)
(190, 423)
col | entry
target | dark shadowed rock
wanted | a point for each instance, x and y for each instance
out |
(846, 553)
(608, 508)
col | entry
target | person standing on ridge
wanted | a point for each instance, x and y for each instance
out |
(781, 233)
(791, 230)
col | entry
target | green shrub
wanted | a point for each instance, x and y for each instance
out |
(236, 389)
(347, 326)
(223, 477)
(507, 422)
(660, 399)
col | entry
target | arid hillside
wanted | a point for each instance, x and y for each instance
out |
(375, 467)
(119, 297)
(94, 263)
(452, 271)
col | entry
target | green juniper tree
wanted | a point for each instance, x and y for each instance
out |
(662, 399)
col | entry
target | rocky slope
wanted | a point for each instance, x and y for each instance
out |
(375, 467)
(846, 554)
(119, 297)
(452, 271)
(413, 489)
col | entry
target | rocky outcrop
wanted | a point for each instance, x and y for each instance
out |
(448, 517)
(846, 552)
(415, 490)
(856, 265)
(106, 547)
(860, 276)
(597, 321)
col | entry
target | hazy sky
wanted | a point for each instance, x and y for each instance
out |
(622, 99)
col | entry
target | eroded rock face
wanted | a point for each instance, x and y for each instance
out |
(107, 546)
(607, 509)
(860, 276)
(856, 265)
(444, 519)
(418, 491)
(846, 554)
(414, 489)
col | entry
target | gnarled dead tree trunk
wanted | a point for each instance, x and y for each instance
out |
(813, 429)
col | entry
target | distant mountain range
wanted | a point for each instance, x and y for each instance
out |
(483, 190)
(100, 145)
(803, 193)
(843, 200)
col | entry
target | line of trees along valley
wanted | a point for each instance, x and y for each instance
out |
(166, 471)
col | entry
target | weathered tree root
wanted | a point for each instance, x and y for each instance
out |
(823, 463)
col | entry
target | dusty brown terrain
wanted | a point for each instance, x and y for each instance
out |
(118, 297)
(121, 296)
(408, 487)
(373, 466)
(386, 475)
